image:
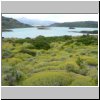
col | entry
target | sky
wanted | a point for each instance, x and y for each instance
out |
(56, 17)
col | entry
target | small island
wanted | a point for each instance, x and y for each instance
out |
(6, 30)
(71, 27)
(42, 27)
(90, 32)
(94, 32)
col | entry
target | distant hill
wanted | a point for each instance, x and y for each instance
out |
(35, 21)
(8, 23)
(89, 24)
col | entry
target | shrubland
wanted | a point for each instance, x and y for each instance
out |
(50, 61)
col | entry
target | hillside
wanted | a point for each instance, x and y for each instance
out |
(8, 23)
(35, 21)
(89, 24)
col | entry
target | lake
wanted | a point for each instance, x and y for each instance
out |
(52, 31)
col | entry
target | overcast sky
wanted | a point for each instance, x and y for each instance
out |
(56, 17)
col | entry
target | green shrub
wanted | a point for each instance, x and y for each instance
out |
(22, 56)
(83, 53)
(50, 78)
(69, 42)
(41, 42)
(26, 45)
(72, 67)
(90, 60)
(83, 81)
(94, 51)
(83, 70)
(41, 45)
(69, 50)
(93, 72)
(88, 40)
(13, 61)
(28, 52)
(79, 61)
(7, 53)
(83, 67)
(20, 41)
(13, 77)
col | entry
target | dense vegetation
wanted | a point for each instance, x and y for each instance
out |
(90, 24)
(50, 61)
(8, 23)
(90, 32)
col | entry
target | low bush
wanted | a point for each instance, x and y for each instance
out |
(83, 70)
(13, 77)
(88, 40)
(50, 78)
(72, 67)
(42, 45)
(83, 81)
(7, 54)
(93, 72)
(80, 61)
(13, 61)
(22, 56)
(90, 60)
(28, 52)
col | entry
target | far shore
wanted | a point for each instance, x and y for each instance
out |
(6, 30)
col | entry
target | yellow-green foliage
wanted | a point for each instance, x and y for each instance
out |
(22, 56)
(83, 81)
(63, 62)
(94, 74)
(90, 60)
(49, 78)
(73, 67)
(13, 61)
(7, 45)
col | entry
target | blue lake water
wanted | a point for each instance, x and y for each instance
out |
(52, 31)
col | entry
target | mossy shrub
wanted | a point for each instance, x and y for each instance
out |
(22, 56)
(90, 60)
(83, 81)
(13, 61)
(50, 78)
(13, 77)
(72, 67)
(33, 53)
(93, 72)
(79, 61)
(7, 53)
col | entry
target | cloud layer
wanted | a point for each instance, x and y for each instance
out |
(57, 17)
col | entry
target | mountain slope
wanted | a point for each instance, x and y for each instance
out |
(8, 23)
(88, 24)
(34, 21)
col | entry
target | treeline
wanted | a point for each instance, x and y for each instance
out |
(90, 32)
(42, 42)
(89, 24)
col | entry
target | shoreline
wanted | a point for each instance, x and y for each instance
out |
(51, 36)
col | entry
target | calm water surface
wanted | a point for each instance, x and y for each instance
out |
(52, 31)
